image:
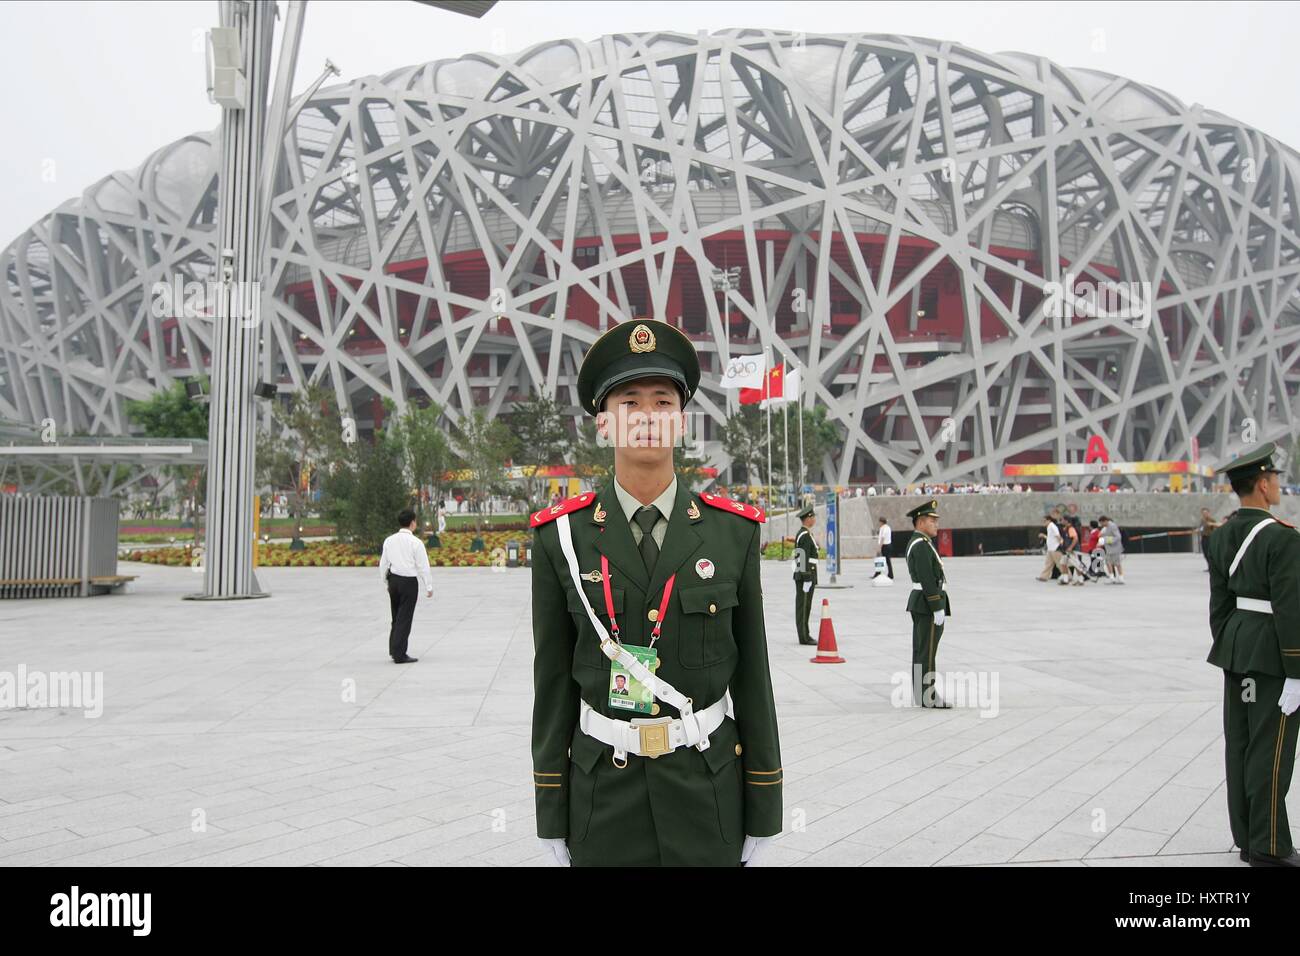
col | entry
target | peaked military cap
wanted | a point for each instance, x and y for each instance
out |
(806, 511)
(1253, 462)
(931, 507)
(638, 349)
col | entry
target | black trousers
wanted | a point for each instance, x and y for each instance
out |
(402, 594)
(889, 562)
(925, 648)
(1260, 744)
(803, 601)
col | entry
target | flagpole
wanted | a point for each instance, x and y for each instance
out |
(768, 419)
(785, 453)
(799, 398)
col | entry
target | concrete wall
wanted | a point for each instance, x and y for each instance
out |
(859, 516)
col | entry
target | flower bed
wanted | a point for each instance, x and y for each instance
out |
(783, 551)
(150, 534)
(454, 553)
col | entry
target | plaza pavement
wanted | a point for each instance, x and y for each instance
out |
(228, 735)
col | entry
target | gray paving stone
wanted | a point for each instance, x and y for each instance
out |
(238, 709)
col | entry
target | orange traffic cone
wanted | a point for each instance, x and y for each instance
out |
(827, 652)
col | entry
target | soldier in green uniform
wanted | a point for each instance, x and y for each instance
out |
(1255, 624)
(805, 573)
(646, 579)
(927, 602)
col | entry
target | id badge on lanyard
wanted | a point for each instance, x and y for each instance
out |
(625, 691)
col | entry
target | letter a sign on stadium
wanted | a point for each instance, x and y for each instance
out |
(1096, 451)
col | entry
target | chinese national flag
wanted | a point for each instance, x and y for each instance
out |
(773, 387)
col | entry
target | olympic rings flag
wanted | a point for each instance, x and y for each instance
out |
(744, 371)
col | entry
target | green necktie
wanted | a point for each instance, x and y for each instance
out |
(645, 519)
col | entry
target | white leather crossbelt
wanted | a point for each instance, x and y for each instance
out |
(1254, 604)
(650, 737)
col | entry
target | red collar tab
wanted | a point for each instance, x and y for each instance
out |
(735, 507)
(576, 503)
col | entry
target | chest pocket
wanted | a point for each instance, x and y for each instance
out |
(704, 636)
(587, 652)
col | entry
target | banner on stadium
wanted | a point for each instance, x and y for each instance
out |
(1052, 469)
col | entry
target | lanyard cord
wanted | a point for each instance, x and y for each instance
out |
(609, 603)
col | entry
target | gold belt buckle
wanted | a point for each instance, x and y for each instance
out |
(654, 735)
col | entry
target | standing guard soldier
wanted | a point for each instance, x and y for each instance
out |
(647, 580)
(927, 602)
(1255, 623)
(805, 573)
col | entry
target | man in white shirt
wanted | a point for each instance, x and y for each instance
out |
(1053, 542)
(886, 539)
(402, 566)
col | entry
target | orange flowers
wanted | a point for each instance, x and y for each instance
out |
(454, 553)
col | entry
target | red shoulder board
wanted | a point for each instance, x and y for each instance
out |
(735, 507)
(1283, 523)
(576, 503)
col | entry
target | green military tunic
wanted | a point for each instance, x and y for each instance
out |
(1257, 651)
(926, 597)
(686, 807)
(804, 544)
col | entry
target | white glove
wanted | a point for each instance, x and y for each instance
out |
(938, 618)
(560, 850)
(807, 586)
(1290, 698)
(753, 849)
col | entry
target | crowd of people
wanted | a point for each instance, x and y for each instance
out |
(1076, 554)
(986, 488)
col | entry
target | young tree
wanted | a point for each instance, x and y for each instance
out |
(541, 433)
(306, 441)
(744, 438)
(485, 447)
(366, 491)
(820, 436)
(171, 413)
(687, 466)
(423, 446)
(593, 459)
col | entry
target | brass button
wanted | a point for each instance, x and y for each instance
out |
(654, 710)
(713, 609)
(739, 750)
(653, 615)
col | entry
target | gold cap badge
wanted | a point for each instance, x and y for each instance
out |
(641, 339)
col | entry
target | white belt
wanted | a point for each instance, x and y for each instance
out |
(1254, 604)
(651, 737)
(917, 587)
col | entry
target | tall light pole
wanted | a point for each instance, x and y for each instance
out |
(239, 81)
(724, 280)
(252, 142)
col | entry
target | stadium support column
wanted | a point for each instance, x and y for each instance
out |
(232, 422)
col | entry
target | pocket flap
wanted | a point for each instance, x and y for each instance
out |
(708, 598)
(722, 747)
(585, 751)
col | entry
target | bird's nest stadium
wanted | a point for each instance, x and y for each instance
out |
(897, 208)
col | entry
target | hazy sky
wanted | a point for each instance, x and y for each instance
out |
(90, 88)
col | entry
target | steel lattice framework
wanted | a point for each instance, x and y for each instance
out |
(463, 229)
